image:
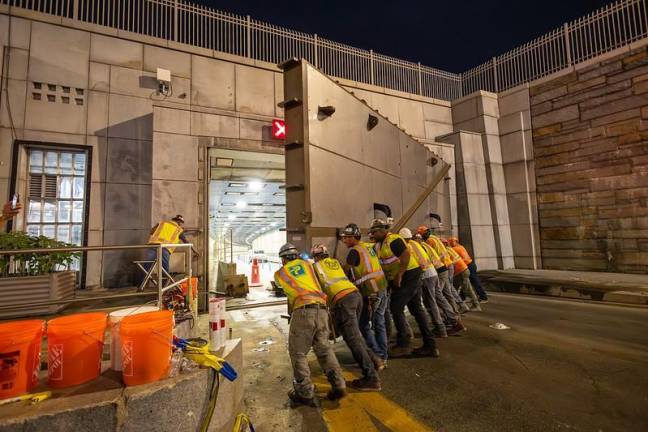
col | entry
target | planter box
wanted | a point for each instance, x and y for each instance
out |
(24, 290)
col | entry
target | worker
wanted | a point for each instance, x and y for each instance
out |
(345, 303)
(309, 327)
(453, 242)
(9, 211)
(167, 232)
(369, 277)
(445, 271)
(404, 275)
(433, 299)
(461, 278)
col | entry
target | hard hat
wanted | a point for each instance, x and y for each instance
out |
(422, 230)
(178, 218)
(287, 250)
(319, 249)
(405, 233)
(351, 230)
(453, 241)
(444, 241)
(378, 224)
(418, 236)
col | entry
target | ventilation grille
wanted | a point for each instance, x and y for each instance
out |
(42, 186)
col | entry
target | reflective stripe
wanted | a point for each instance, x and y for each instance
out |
(423, 260)
(302, 296)
(390, 260)
(368, 276)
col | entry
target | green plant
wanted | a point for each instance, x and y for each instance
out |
(33, 264)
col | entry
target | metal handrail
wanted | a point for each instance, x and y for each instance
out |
(193, 304)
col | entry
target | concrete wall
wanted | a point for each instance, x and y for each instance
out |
(590, 141)
(149, 151)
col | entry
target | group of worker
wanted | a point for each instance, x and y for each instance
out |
(435, 278)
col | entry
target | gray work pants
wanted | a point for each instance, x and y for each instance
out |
(309, 329)
(449, 291)
(462, 282)
(346, 314)
(436, 303)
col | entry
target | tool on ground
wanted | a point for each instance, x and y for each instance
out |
(33, 398)
(242, 420)
(198, 351)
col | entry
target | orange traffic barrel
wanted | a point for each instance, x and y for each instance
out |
(74, 348)
(20, 348)
(255, 277)
(146, 341)
(184, 287)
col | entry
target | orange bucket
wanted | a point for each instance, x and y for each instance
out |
(146, 340)
(74, 348)
(20, 348)
(194, 287)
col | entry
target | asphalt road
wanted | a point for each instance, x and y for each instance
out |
(563, 366)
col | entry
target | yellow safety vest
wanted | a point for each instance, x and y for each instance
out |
(299, 283)
(434, 257)
(459, 264)
(421, 256)
(333, 280)
(167, 232)
(368, 275)
(440, 249)
(390, 262)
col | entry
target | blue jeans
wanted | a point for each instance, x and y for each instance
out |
(373, 330)
(476, 283)
(151, 255)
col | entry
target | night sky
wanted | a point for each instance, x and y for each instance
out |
(450, 35)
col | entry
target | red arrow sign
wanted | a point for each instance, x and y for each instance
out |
(278, 129)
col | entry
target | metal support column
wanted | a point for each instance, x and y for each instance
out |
(371, 65)
(568, 54)
(495, 83)
(159, 275)
(248, 32)
(315, 49)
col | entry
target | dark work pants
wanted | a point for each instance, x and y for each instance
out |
(409, 294)
(476, 283)
(346, 314)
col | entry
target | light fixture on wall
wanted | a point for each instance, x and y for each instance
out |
(325, 111)
(372, 121)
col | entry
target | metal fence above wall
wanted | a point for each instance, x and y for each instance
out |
(608, 28)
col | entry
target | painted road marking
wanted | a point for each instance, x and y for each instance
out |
(363, 411)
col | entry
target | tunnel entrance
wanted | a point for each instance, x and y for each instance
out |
(247, 217)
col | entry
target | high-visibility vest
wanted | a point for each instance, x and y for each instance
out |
(167, 232)
(334, 281)
(368, 276)
(434, 257)
(459, 264)
(463, 253)
(390, 262)
(421, 256)
(299, 283)
(440, 249)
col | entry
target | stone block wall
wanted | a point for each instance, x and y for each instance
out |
(590, 142)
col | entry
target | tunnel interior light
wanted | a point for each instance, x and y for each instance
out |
(255, 185)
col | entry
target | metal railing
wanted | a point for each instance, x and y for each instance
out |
(610, 27)
(603, 30)
(161, 288)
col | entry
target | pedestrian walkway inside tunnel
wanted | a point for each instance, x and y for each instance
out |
(247, 217)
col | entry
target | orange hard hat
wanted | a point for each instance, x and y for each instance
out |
(422, 229)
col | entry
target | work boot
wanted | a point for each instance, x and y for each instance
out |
(400, 351)
(475, 307)
(483, 300)
(457, 328)
(463, 308)
(297, 400)
(366, 384)
(336, 393)
(426, 351)
(379, 364)
(440, 331)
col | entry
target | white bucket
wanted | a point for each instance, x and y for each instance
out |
(115, 343)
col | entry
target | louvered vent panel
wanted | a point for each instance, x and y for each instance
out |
(35, 185)
(50, 187)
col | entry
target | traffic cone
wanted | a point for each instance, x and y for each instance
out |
(256, 278)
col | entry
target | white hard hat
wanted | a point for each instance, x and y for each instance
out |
(405, 233)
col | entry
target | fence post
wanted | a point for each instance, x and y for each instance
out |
(248, 31)
(420, 79)
(175, 20)
(567, 44)
(371, 66)
(316, 56)
(75, 10)
(495, 83)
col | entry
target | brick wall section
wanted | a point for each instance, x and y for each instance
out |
(590, 139)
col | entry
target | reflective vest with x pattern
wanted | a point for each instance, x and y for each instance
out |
(368, 276)
(390, 262)
(440, 249)
(434, 257)
(333, 280)
(463, 253)
(167, 232)
(459, 264)
(420, 254)
(299, 283)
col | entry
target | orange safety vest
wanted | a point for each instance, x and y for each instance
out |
(463, 253)
(299, 283)
(459, 264)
